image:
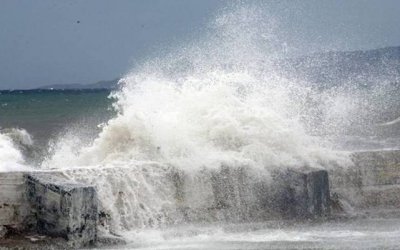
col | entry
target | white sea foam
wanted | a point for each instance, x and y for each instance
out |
(11, 158)
(334, 235)
(217, 102)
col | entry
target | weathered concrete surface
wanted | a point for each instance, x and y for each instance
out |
(372, 182)
(13, 204)
(378, 167)
(66, 209)
(3, 231)
(33, 242)
(63, 208)
(244, 194)
(302, 193)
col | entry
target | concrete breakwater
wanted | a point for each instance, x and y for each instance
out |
(49, 204)
(53, 204)
(372, 183)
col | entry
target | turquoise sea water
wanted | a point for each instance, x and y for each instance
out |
(44, 113)
(47, 115)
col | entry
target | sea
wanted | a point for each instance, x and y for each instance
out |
(219, 100)
(38, 119)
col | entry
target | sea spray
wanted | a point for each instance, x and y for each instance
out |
(12, 143)
(219, 99)
(213, 114)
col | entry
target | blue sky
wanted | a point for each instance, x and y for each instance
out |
(56, 42)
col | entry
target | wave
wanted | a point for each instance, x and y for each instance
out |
(12, 142)
(214, 103)
(218, 100)
(395, 121)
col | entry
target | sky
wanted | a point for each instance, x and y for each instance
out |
(58, 42)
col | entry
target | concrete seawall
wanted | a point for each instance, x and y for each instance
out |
(13, 202)
(50, 203)
(373, 182)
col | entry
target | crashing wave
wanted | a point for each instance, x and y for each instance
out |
(12, 142)
(218, 103)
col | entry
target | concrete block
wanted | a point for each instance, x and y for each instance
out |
(3, 231)
(372, 182)
(63, 208)
(244, 194)
(301, 193)
(13, 203)
(383, 196)
(378, 167)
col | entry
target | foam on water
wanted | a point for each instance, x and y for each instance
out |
(210, 102)
(11, 158)
(209, 120)
(215, 102)
(363, 234)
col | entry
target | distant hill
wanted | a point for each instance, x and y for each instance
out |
(112, 84)
(323, 69)
(336, 68)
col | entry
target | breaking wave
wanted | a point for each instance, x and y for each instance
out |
(12, 143)
(213, 104)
